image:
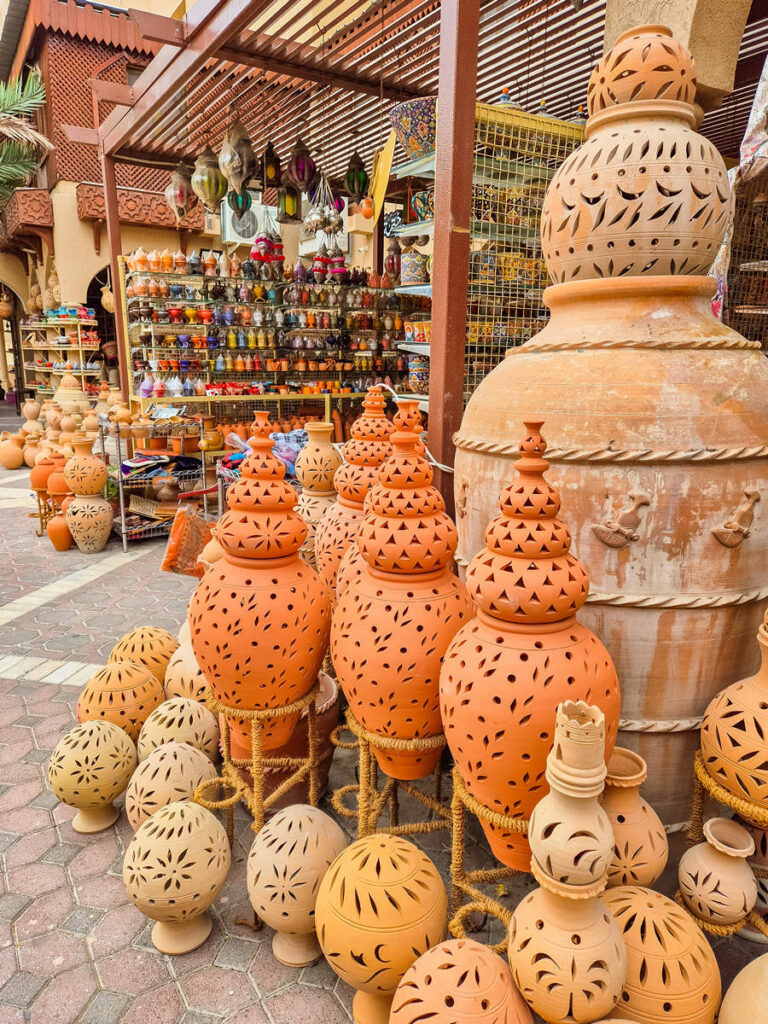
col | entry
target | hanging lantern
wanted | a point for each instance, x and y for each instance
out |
(6, 307)
(288, 204)
(237, 160)
(301, 167)
(338, 203)
(239, 202)
(178, 193)
(208, 183)
(270, 167)
(356, 179)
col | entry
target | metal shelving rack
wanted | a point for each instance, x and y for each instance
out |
(747, 297)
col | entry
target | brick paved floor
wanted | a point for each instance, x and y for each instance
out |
(72, 947)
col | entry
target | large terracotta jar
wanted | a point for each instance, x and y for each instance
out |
(672, 974)
(85, 473)
(393, 624)
(89, 519)
(565, 950)
(316, 465)
(734, 733)
(716, 882)
(640, 847)
(509, 667)
(259, 618)
(363, 454)
(657, 412)
(11, 451)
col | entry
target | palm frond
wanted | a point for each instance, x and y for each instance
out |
(16, 130)
(22, 98)
(17, 164)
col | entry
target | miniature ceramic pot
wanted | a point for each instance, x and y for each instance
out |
(181, 720)
(89, 519)
(183, 677)
(287, 862)
(168, 773)
(122, 693)
(745, 999)
(394, 622)
(569, 832)
(149, 646)
(381, 905)
(567, 956)
(716, 882)
(640, 847)
(510, 667)
(91, 766)
(734, 731)
(672, 974)
(173, 870)
(459, 980)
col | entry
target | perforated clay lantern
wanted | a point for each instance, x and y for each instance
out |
(123, 693)
(459, 981)
(656, 411)
(507, 669)
(259, 618)
(364, 453)
(180, 720)
(393, 623)
(147, 645)
(168, 773)
(640, 845)
(381, 905)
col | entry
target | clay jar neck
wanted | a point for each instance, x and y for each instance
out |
(408, 579)
(83, 448)
(627, 771)
(728, 841)
(260, 563)
(525, 629)
(660, 113)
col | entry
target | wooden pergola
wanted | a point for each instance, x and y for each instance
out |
(336, 66)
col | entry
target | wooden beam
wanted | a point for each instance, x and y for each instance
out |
(158, 28)
(112, 92)
(457, 86)
(80, 134)
(115, 248)
(748, 70)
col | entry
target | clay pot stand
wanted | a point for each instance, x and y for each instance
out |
(46, 510)
(466, 883)
(249, 785)
(371, 801)
(704, 785)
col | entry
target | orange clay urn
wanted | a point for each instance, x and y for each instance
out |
(363, 454)
(259, 618)
(393, 623)
(507, 669)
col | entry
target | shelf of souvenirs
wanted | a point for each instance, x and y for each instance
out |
(266, 396)
(750, 310)
(44, 325)
(44, 347)
(488, 170)
(87, 371)
(414, 289)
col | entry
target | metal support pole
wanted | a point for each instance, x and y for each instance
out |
(459, 26)
(115, 248)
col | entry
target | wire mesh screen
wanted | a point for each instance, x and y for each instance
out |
(516, 155)
(748, 270)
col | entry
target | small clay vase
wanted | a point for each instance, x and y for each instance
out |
(640, 848)
(716, 882)
(286, 864)
(316, 465)
(180, 720)
(150, 646)
(58, 533)
(123, 693)
(745, 1001)
(569, 830)
(90, 522)
(31, 451)
(173, 870)
(11, 451)
(459, 981)
(183, 677)
(89, 768)
(85, 473)
(381, 905)
(734, 732)
(168, 773)
(672, 974)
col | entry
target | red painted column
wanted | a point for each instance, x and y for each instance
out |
(459, 25)
(115, 248)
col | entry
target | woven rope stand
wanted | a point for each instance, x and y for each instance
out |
(705, 785)
(231, 780)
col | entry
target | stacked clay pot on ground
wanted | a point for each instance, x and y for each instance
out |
(393, 623)
(89, 516)
(11, 451)
(180, 720)
(260, 617)
(167, 774)
(368, 448)
(657, 412)
(122, 693)
(150, 646)
(316, 465)
(716, 883)
(507, 669)
(640, 848)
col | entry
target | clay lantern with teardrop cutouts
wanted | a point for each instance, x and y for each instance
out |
(259, 618)
(509, 667)
(316, 465)
(392, 625)
(658, 411)
(363, 455)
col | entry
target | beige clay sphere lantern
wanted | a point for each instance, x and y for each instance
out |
(123, 693)
(150, 646)
(88, 769)
(166, 775)
(181, 720)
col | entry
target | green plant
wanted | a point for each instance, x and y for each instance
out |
(21, 144)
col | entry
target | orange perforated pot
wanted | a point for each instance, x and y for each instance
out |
(260, 616)
(393, 622)
(509, 667)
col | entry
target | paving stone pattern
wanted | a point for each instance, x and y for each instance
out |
(73, 949)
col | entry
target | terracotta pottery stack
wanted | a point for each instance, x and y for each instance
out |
(657, 412)
(393, 624)
(260, 617)
(509, 667)
(565, 949)
(380, 905)
(363, 454)
(88, 515)
(316, 465)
